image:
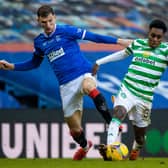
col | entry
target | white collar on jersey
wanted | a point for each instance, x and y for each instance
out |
(50, 33)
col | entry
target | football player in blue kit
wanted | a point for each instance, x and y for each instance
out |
(73, 71)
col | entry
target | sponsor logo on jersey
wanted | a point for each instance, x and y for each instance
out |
(144, 60)
(56, 54)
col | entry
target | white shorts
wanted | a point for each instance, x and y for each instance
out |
(72, 95)
(138, 110)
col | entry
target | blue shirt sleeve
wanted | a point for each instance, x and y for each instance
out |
(78, 33)
(29, 64)
(74, 32)
(100, 38)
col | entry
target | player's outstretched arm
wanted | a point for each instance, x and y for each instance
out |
(106, 39)
(112, 57)
(5, 65)
(32, 63)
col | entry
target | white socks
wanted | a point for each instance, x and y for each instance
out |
(136, 146)
(113, 131)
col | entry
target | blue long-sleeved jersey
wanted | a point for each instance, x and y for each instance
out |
(62, 49)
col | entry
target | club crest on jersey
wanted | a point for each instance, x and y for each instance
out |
(58, 38)
(146, 53)
(123, 95)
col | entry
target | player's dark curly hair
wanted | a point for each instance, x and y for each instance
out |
(158, 24)
(44, 11)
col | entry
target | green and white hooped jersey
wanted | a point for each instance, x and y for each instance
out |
(146, 69)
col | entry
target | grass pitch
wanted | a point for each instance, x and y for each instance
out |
(86, 163)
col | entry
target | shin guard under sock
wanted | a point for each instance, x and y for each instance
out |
(113, 131)
(79, 137)
(101, 105)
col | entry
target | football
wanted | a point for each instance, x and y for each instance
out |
(117, 151)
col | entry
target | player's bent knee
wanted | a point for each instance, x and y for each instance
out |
(120, 113)
(88, 85)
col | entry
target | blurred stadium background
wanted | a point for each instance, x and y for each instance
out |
(20, 92)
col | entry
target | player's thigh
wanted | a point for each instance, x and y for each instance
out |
(71, 96)
(124, 99)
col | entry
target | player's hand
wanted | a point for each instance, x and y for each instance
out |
(124, 42)
(95, 69)
(6, 65)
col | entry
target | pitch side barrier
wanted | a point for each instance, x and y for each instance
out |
(33, 133)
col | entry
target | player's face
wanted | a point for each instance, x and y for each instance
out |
(47, 23)
(155, 37)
